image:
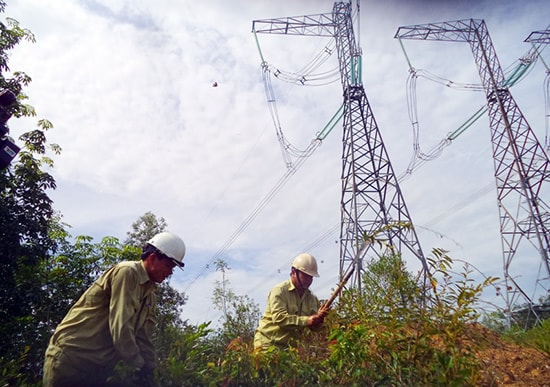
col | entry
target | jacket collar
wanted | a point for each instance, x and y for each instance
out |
(291, 287)
(142, 274)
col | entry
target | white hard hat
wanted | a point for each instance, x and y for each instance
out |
(306, 262)
(170, 245)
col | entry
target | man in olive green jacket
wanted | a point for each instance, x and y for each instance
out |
(113, 320)
(291, 307)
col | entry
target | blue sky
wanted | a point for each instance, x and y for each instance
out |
(128, 87)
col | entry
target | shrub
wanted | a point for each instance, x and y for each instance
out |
(393, 331)
(537, 337)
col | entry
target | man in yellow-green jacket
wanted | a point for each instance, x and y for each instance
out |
(113, 320)
(291, 307)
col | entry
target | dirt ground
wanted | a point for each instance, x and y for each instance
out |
(508, 364)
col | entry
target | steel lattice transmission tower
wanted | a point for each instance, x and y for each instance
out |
(521, 164)
(371, 196)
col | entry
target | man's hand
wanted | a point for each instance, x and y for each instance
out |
(323, 311)
(319, 317)
(314, 320)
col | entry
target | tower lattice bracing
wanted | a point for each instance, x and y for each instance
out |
(371, 197)
(521, 165)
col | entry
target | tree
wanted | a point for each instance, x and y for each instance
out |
(389, 288)
(27, 218)
(240, 313)
(143, 229)
(222, 294)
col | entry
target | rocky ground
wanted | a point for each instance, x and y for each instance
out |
(508, 364)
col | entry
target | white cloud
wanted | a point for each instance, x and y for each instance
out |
(128, 87)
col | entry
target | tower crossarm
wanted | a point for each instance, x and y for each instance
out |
(309, 25)
(450, 31)
(539, 37)
(472, 31)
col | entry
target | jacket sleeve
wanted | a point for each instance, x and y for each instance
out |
(145, 333)
(284, 312)
(123, 308)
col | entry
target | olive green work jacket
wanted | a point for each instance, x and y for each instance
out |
(285, 317)
(113, 320)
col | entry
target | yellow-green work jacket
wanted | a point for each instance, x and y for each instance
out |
(113, 320)
(285, 317)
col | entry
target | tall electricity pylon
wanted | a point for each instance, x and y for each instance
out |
(521, 164)
(371, 201)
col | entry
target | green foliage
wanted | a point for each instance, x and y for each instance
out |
(170, 304)
(10, 36)
(393, 332)
(222, 293)
(143, 229)
(537, 336)
(76, 266)
(26, 220)
(389, 289)
(397, 337)
(240, 366)
(240, 313)
(12, 371)
(495, 321)
(187, 361)
(241, 320)
(190, 357)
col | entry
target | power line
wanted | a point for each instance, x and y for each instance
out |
(256, 211)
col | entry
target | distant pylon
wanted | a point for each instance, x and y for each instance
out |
(521, 165)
